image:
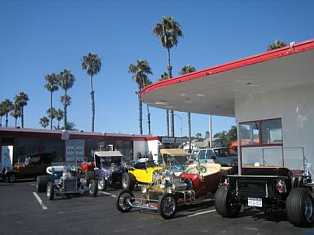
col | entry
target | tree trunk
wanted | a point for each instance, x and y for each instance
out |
(148, 120)
(190, 137)
(22, 117)
(92, 93)
(170, 76)
(15, 122)
(65, 112)
(51, 110)
(0, 121)
(140, 113)
(6, 120)
(58, 124)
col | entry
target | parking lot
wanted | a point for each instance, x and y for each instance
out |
(23, 211)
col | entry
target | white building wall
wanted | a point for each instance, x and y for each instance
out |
(145, 147)
(296, 108)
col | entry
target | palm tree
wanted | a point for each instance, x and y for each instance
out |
(140, 72)
(59, 116)
(66, 80)
(44, 122)
(7, 107)
(52, 86)
(2, 112)
(52, 114)
(165, 76)
(276, 44)
(168, 31)
(92, 64)
(16, 112)
(188, 69)
(21, 99)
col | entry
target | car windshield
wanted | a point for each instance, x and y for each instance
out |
(178, 161)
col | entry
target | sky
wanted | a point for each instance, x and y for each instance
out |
(42, 37)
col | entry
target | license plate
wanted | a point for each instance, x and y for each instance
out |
(255, 202)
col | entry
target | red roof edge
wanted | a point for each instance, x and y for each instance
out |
(259, 58)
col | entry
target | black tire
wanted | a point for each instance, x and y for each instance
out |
(128, 181)
(41, 183)
(50, 191)
(93, 187)
(123, 201)
(300, 207)
(10, 177)
(225, 205)
(102, 184)
(168, 206)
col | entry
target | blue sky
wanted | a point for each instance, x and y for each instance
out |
(40, 37)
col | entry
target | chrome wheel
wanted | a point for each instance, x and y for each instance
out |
(168, 206)
(124, 202)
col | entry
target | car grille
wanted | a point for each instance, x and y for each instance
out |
(69, 185)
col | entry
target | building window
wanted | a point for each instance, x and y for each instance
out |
(249, 133)
(271, 131)
(261, 133)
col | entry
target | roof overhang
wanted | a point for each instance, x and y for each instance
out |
(213, 90)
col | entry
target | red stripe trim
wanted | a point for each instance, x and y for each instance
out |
(259, 58)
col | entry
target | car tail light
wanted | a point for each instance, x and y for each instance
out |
(226, 182)
(281, 186)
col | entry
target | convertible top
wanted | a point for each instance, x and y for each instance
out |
(173, 152)
(108, 154)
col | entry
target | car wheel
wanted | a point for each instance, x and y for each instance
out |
(50, 191)
(168, 206)
(124, 201)
(41, 183)
(102, 184)
(225, 203)
(299, 206)
(10, 178)
(93, 187)
(128, 181)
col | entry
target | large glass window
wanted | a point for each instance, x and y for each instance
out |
(249, 133)
(271, 131)
(261, 133)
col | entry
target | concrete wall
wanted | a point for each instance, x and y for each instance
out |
(296, 108)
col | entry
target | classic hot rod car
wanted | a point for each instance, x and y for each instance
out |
(167, 191)
(141, 173)
(269, 183)
(108, 168)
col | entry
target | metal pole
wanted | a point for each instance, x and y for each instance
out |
(239, 149)
(210, 131)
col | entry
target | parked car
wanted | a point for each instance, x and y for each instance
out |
(68, 179)
(268, 185)
(141, 173)
(222, 155)
(109, 168)
(32, 166)
(168, 192)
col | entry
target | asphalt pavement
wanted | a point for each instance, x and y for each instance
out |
(23, 211)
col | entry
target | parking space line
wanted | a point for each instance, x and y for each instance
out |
(40, 201)
(109, 194)
(202, 213)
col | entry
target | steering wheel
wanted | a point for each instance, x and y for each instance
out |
(202, 169)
